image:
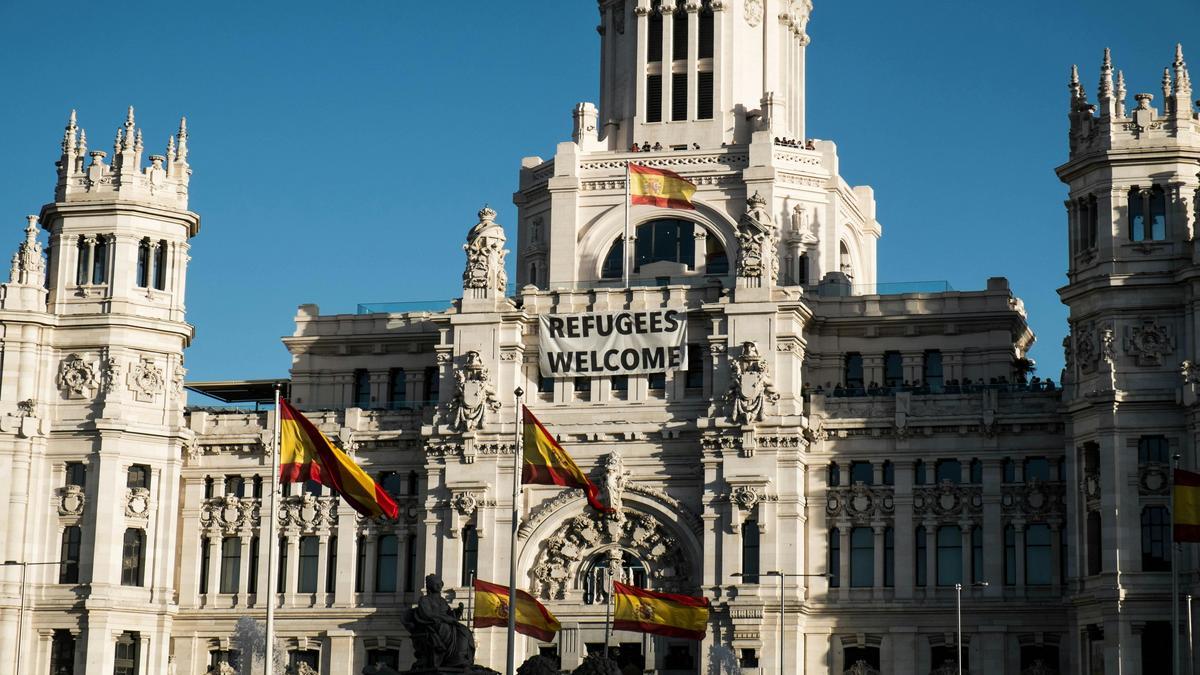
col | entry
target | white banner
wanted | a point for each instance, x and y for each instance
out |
(614, 343)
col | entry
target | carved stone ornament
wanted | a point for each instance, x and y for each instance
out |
(616, 479)
(230, 514)
(308, 513)
(1149, 342)
(110, 373)
(861, 667)
(1035, 499)
(804, 227)
(76, 377)
(1154, 479)
(1039, 667)
(473, 396)
(758, 238)
(71, 501)
(638, 533)
(465, 503)
(860, 503)
(485, 255)
(177, 380)
(137, 503)
(745, 497)
(1087, 347)
(145, 379)
(28, 263)
(754, 12)
(946, 500)
(750, 387)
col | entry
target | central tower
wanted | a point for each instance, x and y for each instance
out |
(721, 66)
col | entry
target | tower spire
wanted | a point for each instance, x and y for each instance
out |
(1075, 88)
(1166, 90)
(1121, 93)
(1181, 104)
(1104, 93)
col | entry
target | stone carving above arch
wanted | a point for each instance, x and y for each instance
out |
(1148, 342)
(565, 497)
(641, 534)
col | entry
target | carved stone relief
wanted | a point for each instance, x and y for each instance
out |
(76, 377)
(1035, 499)
(145, 379)
(230, 514)
(1149, 342)
(754, 12)
(473, 396)
(750, 387)
(758, 238)
(308, 513)
(485, 255)
(1154, 479)
(137, 503)
(860, 503)
(71, 501)
(947, 500)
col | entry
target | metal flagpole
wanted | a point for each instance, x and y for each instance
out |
(608, 610)
(512, 548)
(1191, 665)
(625, 251)
(1174, 576)
(471, 604)
(272, 542)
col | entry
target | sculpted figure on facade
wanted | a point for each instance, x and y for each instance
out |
(28, 264)
(485, 256)
(474, 394)
(750, 387)
(757, 240)
(440, 641)
(804, 226)
(1108, 351)
(616, 479)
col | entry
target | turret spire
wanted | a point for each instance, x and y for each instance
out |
(1075, 88)
(182, 136)
(1121, 93)
(1104, 92)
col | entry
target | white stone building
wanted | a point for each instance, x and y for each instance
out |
(877, 439)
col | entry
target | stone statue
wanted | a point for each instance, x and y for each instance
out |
(485, 256)
(750, 387)
(1108, 351)
(757, 240)
(803, 226)
(539, 665)
(615, 480)
(473, 395)
(440, 643)
(597, 664)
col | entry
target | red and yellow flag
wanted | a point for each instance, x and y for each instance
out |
(306, 454)
(659, 187)
(1187, 506)
(492, 607)
(643, 611)
(546, 463)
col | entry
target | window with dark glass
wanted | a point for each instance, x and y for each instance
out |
(331, 565)
(306, 580)
(853, 371)
(862, 557)
(1156, 647)
(654, 33)
(219, 657)
(750, 551)
(1038, 564)
(656, 381)
(252, 567)
(893, 369)
(309, 657)
(360, 563)
(1038, 658)
(1010, 470)
(76, 474)
(835, 558)
(362, 389)
(679, 97)
(391, 482)
(100, 261)
(125, 657)
(1037, 468)
(281, 572)
(256, 489)
(62, 653)
(160, 266)
(889, 557)
(835, 475)
(138, 476)
(613, 267)
(231, 559)
(1156, 552)
(410, 568)
(695, 367)
(707, 34)
(143, 264)
(209, 490)
(1010, 555)
(582, 385)
(1147, 214)
(71, 537)
(1095, 561)
(931, 370)
(654, 87)
(204, 562)
(678, 657)
(432, 387)
(862, 472)
(414, 483)
(715, 261)
(976, 472)
(545, 385)
(665, 240)
(921, 556)
(949, 555)
(235, 486)
(1153, 450)
(387, 557)
(949, 470)
(397, 387)
(889, 473)
(679, 34)
(384, 657)
(919, 473)
(81, 261)
(976, 554)
(470, 554)
(133, 557)
(704, 95)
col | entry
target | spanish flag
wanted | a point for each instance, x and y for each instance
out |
(1187, 506)
(305, 454)
(546, 463)
(681, 616)
(659, 187)
(492, 606)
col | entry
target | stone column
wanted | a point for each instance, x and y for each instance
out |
(292, 570)
(264, 593)
(904, 530)
(844, 566)
(340, 650)
(993, 529)
(322, 567)
(343, 591)
(370, 542)
(243, 597)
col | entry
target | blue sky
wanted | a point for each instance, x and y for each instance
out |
(340, 150)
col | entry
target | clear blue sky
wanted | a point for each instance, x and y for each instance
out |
(340, 150)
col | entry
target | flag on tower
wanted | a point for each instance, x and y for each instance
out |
(659, 187)
(1187, 506)
(546, 463)
(492, 608)
(306, 454)
(642, 611)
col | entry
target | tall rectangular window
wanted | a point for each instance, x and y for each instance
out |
(1010, 555)
(470, 554)
(1156, 552)
(862, 472)
(100, 261)
(949, 470)
(432, 389)
(853, 371)
(921, 555)
(1038, 468)
(387, 556)
(679, 97)
(889, 557)
(160, 266)
(835, 558)
(750, 551)
(695, 367)
(231, 562)
(1038, 567)
(71, 537)
(654, 35)
(81, 261)
(1153, 450)
(976, 554)
(331, 566)
(893, 369)
(133, 557)
(410, 569)
(360, 563)
(143, 264)
(654, 87)
(704, 96)
(125, 658)
(138, 476)
(310, 553)
(235, 486)
(707, 33)
(949, 555)
(1095, 561)
(252, 568)
(62, 653)
(397, 388)
(679, 35)
(76, 474)
(931, 371)
(862, 557)
(203, 565)
(362, 389)
(281, 573)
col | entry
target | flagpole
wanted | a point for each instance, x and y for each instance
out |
(272, 542)
(512, 549)
(625, 251)
(1174, 576)
(471, 605)
(1191, 665)
(608, 610)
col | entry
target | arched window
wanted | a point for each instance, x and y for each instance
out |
(596, 581)
(862, 557)
(846, 265)
(665, 240)
(71, 537)
(716, 261)
(750, 551)
(1038, 566)
(949, 555)
(614, 265)
(1156, 554)
(470, 554)
(100, 260)
(387, 556)
(835, 558)
(1147, 213)
(133, 557)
